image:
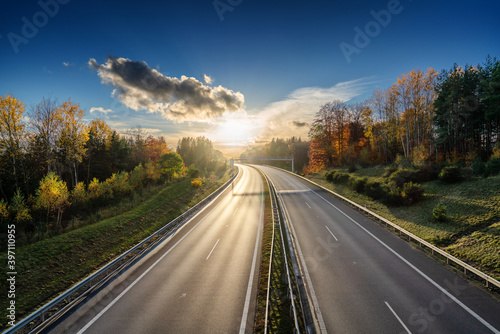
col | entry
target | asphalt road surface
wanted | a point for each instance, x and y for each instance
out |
(200, 280)
(364, 279)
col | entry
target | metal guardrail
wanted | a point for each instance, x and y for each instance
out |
(466, 267)
(276, 220)
(54, 309)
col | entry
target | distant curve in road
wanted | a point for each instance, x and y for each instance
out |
(202, 279)
(367, 280)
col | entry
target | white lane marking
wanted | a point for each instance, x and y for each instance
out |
(397, 317)
(331, 233)
(235, 211)
(212, 249)
(248, 297)
(443, 290)
(319, 315)
(183, 295)
(308, 205)
(91, 322)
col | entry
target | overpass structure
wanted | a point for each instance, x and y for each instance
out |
(284, 159)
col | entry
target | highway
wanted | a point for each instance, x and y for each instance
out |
(202, 279)
(364, 279)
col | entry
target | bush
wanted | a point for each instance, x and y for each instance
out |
(374, 190)
(450, 174)
(479, 167)
(193, 172)
(412, 193)
(340, 178)
(196, 183)
(352, 168)
(329, 176)
(493, 166)
(358, 183)
(402, 176)
(389, 171)
(439, 212)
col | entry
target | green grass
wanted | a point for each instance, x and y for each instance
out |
(48, 267)
(472, 231)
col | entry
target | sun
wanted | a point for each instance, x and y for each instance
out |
(233, 131)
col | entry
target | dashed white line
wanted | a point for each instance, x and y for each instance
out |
(333, 235)
(427, 278)
(235, 211)
(397, 317)
(213, 249)
(308, 205)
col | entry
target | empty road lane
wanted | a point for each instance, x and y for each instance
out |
(200, 280)
(364, 279)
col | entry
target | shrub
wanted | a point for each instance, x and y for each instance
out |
(402, 176)
(94, 190)
(374, 189)
(479, 167)
(450, 174)
(193, 172)
(358, 183)
(352, 168)
(439, 212)
(389, 171)
(412, 193)
(392, 195)
(79, 193)
(329, 176)
(196, 183)
(341, 178)
(493, 166)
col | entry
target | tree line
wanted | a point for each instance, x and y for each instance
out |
(452, 115)
(53, 162)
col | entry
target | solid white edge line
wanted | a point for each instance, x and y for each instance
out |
(397, 317)
(212, 249)
(248, 298)
(443, 290)
(331, 233)
(91, 322)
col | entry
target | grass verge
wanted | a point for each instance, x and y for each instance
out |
(472, 230)
(280, 320)
(48, 267)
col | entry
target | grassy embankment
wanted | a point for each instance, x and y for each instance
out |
(472, 230)
(280, 320)
(48, 267)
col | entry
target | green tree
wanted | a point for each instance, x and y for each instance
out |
(171, 164)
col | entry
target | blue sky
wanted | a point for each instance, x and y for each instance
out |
(284, 57)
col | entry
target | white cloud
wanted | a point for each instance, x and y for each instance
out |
(208, 80)
(101, 110)
(289, 116)
(67, 64)
(140, 87)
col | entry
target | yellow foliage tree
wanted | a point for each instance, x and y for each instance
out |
(73, 136)
(12, 130)
(52, 195)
